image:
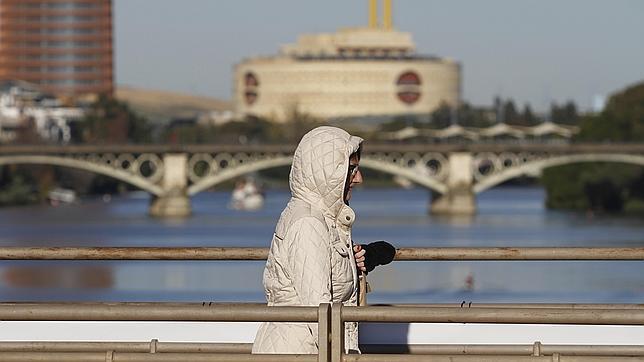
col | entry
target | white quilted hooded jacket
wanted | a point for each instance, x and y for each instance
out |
(311, 259)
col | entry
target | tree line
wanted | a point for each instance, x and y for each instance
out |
(603, 187)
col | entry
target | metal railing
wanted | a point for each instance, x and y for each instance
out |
(155, 346)
(330, 319)
(402, 254)
(534, 314)
(185, 312)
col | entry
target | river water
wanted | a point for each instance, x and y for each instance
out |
(508, 216)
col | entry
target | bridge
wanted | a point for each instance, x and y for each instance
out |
(455, 173)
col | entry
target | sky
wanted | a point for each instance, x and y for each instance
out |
(533, 51)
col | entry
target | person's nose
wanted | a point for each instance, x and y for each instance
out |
(358, 178)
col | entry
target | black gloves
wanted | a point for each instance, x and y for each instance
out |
(378, 253)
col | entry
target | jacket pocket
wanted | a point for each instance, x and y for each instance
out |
(339, 246)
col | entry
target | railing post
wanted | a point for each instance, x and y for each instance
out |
(324, 332)
(536, 349)
(337, 333)
(153, 345)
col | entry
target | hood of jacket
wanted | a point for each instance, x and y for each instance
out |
(319, 170)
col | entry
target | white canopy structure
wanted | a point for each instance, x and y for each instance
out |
(501, 129)
(476, 134)
(452, 131)
(549, 128)
(403, 134)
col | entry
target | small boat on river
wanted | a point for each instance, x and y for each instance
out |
(247, 196)
(59, 196)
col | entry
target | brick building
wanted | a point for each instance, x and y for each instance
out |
(62, 46)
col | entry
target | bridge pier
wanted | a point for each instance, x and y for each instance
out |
(174, 202)
(455, 202)
(459, 198)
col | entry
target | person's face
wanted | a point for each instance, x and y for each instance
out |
(354, 177)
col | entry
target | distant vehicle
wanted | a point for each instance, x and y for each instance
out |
(247, 195)
(59, 196)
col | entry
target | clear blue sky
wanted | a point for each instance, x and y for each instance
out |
(534, 51)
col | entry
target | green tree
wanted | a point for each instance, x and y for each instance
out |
(442, 117)
(602, 187)
(510, 113)
(111, 121)
(564, 114)
(469, 116)
(17, 191)
(528, 117)
(298, 123)
(621, 121)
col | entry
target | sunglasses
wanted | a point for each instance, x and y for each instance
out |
(353, 170)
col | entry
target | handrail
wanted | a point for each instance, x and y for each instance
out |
(492, 315)
(511, 253)
(520, 305)
(255, 305)
(155, 346)
(111, 356)
(220, 312)
(341, 314)
(536, 348)
(330, 321)
(185, 312)
(236, 253)
(481, 358)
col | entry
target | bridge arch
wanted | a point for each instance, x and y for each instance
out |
(230, 173)
(386, 167)
(406, 172)
(121, 175)
(534, 167)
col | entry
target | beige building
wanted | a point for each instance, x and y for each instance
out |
(357, 72)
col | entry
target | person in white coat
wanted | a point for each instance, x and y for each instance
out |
(312, 258)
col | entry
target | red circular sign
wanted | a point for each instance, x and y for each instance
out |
(408, 85)
(251, 85)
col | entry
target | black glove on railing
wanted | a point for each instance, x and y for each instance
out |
(378, 253)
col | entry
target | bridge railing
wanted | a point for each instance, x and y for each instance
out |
(626, 147)
(330, 319)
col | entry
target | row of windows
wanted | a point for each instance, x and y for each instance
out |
(60, 69)
(375, 98)
(60, 44)
(58, 18)
(58, 31)
(333, 76)
(60, 57)
(58, 5)
(70, 82)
